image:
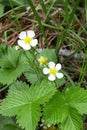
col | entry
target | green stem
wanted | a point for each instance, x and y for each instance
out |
(2, 89)
(33, 65)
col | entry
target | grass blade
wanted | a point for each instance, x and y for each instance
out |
(38, 19)
(43, 6)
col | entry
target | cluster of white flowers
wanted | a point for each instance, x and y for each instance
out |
(27, 41)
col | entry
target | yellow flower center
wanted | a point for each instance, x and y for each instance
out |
(53, 70)
(27, 40)
(43, 60)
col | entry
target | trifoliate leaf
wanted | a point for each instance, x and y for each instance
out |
(49, 54)
(73, 122)
(77, 98)
(56, 109)
(12, 65)
(24, 102)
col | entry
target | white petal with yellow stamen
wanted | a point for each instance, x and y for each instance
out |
(26, 40)
(53, 71)
(23, 45)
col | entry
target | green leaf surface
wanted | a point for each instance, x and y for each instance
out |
(43, 91)
(67, 107)
(8, 123)
(77, 98)
(31, 75)
(29, 116)
(49, 54)
(73, 122)
(12, 65)
(3, 49)
(24, 102)
(56, 109)
(60, 82)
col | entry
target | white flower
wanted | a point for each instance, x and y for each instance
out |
(53, 71)
(26, 40)
(42, 60)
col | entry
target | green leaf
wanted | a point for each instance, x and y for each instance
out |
(12, 66)
(66, 104)
(77, 98)
(60, 82)
(56, 109)
(43, 91)
(49, 54)
(3, 49)
(29, 116)
(30, 56)
(8, 123)
(24, 102)
(73, 122)
(31, 75)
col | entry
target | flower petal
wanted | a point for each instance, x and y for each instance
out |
(34, 42)
(30, 33)
(22, 35)
(58, 66)
(23, 45)
(46, 71)
(51, 64)
(51, 77)
(27, 47)
(59, 75)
